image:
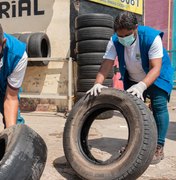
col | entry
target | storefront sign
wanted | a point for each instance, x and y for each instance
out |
(11, 9)
(135, 6)
(26, 15)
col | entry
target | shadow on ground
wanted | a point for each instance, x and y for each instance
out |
(171, 134)
(111, 146)
(62, 166)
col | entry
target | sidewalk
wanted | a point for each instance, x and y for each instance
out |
(50, 127)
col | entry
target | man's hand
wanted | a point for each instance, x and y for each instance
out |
(138, 89)
(96, 89)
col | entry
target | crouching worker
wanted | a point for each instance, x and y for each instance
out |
(13, 62)
(144, 66)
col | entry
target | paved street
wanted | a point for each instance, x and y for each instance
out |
(50, 127)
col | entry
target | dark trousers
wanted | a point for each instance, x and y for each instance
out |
(159, 99)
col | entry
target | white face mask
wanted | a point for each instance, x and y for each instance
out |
(127, 41)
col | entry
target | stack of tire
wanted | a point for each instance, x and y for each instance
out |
(93, 32)
(37, 46)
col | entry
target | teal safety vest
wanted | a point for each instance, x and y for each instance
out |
(13, 52)
(146, 38)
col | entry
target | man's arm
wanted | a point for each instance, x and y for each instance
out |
(155, 62)
(104, 70)
(107, 63)
(11, 106)
(11, 102)
(152, 75)
(106, 66)
(139, 88)
(101, 76)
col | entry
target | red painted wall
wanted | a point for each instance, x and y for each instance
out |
(156, 16)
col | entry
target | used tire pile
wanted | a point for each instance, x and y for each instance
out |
(37, 46)
(92, 35)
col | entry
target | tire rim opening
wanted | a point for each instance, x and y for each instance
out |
(101, 142)
(44, 48)
(2, 148)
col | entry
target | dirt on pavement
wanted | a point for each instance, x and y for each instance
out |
(50, 127)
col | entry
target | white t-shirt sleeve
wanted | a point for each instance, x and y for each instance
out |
(156, 49)
(16, 77)
(110, 51)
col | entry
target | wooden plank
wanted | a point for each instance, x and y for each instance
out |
(43, 96)
(60, 59)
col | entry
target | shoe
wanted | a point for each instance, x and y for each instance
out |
(159, 154)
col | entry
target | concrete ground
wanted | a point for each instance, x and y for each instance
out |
(50, 127)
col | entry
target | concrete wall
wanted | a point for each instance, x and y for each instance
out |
(52, 17)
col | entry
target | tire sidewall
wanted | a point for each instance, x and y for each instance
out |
(136, 131)
(25, 154)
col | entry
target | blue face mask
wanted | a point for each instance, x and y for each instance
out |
(127, 41)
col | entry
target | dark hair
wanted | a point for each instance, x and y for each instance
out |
(1, 34)
(125, 20)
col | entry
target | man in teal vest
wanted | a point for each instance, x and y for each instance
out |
(145, 69)
(13, 62)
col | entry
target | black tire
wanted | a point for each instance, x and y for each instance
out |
(90, 59)
(104, 115)
(25, 38)
(91, 46)
(17, 35)
(83, 85)
(23, 154)
(39, 46)
(92, 33)
(90, 72)
(78, 96)
(94, 19)
(142, 139)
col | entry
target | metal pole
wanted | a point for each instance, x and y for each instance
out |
(143, 12)
(70, 81)
(174, 40)
(169, 25)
